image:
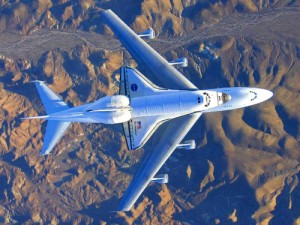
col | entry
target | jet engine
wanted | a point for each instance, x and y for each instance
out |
(181, 62)
(187, 145)
(149, 33)
(161, 179)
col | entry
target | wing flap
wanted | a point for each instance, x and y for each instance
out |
(171, 137)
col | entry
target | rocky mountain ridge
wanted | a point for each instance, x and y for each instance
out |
(245, 169)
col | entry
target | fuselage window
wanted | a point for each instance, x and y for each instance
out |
(255, 95)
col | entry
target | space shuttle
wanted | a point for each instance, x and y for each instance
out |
(140, 107)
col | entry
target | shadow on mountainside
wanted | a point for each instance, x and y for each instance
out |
(221, 203)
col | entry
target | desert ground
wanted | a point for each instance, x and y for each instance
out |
(246, 167)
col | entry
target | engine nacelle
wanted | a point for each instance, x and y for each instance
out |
(182, 62)
(149, 33)
(161, 179)
(187, 145)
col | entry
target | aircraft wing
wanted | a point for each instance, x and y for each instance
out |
(169, 76)
(169, 140)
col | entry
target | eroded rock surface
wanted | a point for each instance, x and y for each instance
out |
(245, 169)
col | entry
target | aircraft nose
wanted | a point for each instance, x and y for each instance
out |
(266, 94)
(262, 94)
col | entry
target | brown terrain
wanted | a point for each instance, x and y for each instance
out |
(246, 167)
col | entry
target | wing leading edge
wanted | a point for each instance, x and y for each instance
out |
(171, 79)
(171, 137)
(145, 55)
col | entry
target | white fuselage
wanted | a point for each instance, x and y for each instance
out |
(167, 103)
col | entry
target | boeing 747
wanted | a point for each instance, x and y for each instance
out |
(141, 107)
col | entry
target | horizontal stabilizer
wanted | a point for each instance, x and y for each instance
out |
(51, 101)
(54, 131)
(35, 117)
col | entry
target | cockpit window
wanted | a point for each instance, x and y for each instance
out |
(225, 97)
(207, 99)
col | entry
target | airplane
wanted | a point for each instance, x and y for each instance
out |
(142, 106)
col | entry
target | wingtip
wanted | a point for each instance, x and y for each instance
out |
(123, 208)
(42, 153)
(37, 81)
(106, 11)
(113, 211)
(45, 151)
(34, 117)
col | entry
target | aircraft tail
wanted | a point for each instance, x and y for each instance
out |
(55, 129)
